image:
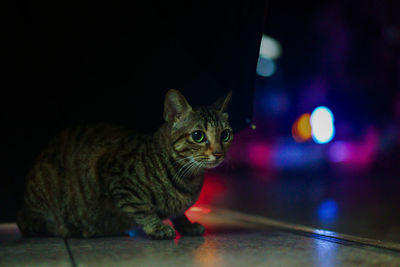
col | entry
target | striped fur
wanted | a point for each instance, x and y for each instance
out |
(102, 180)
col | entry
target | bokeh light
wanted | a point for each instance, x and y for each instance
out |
(340, 151)
(328, 211)
(301, 129)
(265, 67)
(361, 153)
(259, 155)
(274, 102)
(288, 155)
(270, 48)
(322, 125)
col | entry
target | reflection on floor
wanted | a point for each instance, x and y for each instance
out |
(322, 196)
(231, 239)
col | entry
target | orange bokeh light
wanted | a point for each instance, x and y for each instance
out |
(301, 129)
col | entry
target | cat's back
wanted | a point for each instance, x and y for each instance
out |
(76, 150)
(63, 182)
(77, 147)
(87, 138)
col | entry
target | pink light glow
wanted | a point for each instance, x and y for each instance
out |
(361, 153)
(339, 151)
(259, 155)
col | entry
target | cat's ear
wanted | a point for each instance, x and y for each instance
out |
(222, 104)
(175, 106)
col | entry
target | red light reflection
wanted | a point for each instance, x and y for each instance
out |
(200, 209)
(213, 188)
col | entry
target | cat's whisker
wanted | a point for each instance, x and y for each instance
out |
(182, 169)
(189, 158)
(194, 167)
(185, 169)
(177, 162)
(182, 159)
(188, 170)
(199, 167)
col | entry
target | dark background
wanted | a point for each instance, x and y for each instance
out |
(70, 62)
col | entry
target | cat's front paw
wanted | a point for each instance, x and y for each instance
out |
(161, 231)
(194, 229)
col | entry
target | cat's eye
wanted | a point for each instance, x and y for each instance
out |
(226, 135)
(198, 136)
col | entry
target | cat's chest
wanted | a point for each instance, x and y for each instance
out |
(176, 205)
(177, 201)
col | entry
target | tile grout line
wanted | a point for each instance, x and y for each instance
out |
(71, 257)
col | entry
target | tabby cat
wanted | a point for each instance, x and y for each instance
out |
(103, 180)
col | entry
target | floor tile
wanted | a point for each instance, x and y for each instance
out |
(229, 242)
(18, 251)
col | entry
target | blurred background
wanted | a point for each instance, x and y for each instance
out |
(323, 147)
(316, 99)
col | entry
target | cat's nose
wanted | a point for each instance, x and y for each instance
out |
(217, 155)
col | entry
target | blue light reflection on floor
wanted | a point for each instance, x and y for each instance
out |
(132, 232)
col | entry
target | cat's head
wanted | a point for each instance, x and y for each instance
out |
(198, 134)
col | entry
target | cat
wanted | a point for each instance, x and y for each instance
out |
(102, 180)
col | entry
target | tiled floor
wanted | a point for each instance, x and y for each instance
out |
(361, 205)
(232, 239)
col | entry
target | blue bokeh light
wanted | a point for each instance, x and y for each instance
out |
(322, 124)
(265, 67)
(328, 211)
